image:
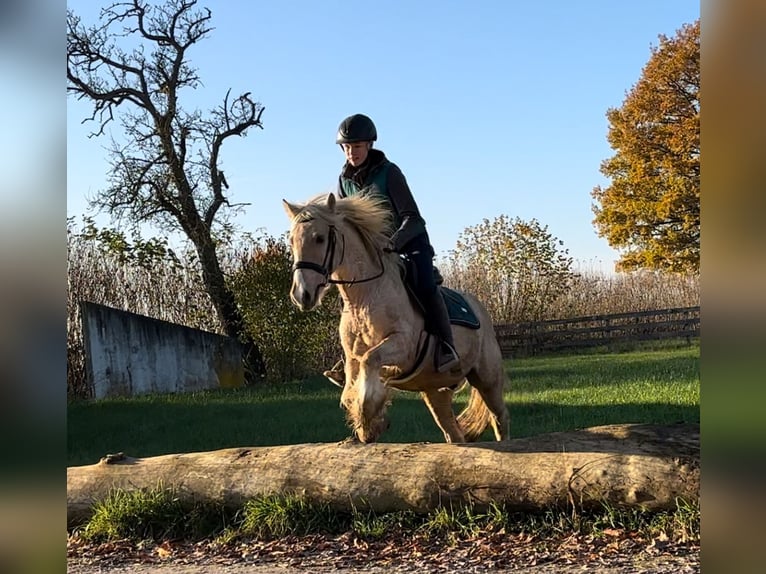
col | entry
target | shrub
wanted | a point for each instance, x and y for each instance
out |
(294, 344)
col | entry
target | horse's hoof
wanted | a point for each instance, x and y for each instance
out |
(350, 440)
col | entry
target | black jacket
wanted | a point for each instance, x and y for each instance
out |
(379, 176)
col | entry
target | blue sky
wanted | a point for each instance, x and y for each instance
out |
(489, 107)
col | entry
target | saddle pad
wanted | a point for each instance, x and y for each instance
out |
(458, 309)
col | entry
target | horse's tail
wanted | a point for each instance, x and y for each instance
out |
(475, 417)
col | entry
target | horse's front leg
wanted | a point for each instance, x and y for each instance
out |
(371, 393)
(350, 390)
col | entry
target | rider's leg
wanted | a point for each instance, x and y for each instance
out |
(436, 317)
(446, 355)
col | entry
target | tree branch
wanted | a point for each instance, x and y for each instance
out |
(237, 118)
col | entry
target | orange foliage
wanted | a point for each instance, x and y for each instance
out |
(651, 209)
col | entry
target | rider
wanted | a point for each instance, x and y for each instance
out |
(368, 171)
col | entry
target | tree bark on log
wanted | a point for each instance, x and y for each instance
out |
(638, 465)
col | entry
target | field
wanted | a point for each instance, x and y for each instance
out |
(545, 394)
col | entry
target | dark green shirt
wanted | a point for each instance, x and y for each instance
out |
(382, 178)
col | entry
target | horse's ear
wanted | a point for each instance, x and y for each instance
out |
(331, 202)
(291, 209)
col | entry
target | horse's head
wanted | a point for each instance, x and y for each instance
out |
(319, 234)
(314, 247)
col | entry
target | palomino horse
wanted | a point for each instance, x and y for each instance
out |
(343, 242)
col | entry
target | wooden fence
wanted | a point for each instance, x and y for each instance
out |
(525, 339)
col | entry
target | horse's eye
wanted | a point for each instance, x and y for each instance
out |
(320, 239)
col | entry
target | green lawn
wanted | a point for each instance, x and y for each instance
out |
(545, 394)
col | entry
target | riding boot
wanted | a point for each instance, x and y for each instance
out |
(446, 357)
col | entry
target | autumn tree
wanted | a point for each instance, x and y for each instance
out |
(515, 267)
(651, 209)
(166, 160)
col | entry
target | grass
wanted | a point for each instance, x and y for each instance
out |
(577, 391)
(277, 516)
(160, 424)
(545, 394)
(157, 515)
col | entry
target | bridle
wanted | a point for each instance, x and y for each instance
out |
(327, 266)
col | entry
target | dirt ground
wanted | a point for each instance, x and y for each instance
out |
(654, 565)
(323, 555)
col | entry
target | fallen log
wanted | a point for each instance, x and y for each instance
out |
(647, 466)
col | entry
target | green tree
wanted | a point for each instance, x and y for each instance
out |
(166, 164)
(515, 267)
(294, 344)
(651, 209)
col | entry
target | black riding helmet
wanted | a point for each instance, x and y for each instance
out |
(356, 128)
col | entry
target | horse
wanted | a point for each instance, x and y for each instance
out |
(344, 242)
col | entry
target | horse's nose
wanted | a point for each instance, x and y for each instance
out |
(302, 297)
(299, 296)
(305, 299)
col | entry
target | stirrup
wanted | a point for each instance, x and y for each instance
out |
(337, 374)
(446, 361)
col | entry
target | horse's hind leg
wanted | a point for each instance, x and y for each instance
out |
(490, 384)
(439, 402)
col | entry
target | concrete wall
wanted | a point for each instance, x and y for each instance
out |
(128, 354)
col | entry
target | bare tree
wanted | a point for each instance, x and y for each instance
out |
(131, 67)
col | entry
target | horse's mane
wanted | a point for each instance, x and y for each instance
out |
(370, 216)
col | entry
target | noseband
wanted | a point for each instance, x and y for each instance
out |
(327, 266)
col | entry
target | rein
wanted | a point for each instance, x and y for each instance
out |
(327, 267)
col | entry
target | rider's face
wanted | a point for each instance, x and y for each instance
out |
(356, 152)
